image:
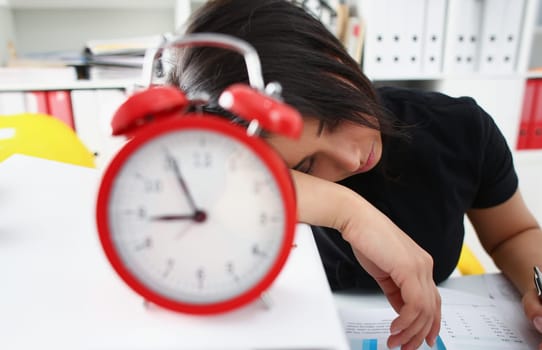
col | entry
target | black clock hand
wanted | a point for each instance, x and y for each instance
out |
(180, 180)
(172, 217)
(198, 216)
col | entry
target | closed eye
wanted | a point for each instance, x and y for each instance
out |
(306, 165)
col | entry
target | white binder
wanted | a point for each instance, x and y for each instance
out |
(108, 101)
(93, 110)
(394, 56)
(412, 14)
(85, 117)
(433, 36)
(511, 33)
(501, 26)
(376, 55)
(463, 36)
(491, 35)
(12, 102)
(393, 44)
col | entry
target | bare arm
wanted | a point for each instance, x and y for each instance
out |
(401, 268)
(512, 236)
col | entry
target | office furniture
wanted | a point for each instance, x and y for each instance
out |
(59, 292)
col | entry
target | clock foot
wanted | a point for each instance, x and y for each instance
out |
(266, 301)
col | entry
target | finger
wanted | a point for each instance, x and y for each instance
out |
(533, 309)
(417, 339)
(531, 304)
(420, 318)
(413, 335)
(407, 315)
(435, 329)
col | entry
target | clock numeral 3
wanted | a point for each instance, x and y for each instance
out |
(256, 250)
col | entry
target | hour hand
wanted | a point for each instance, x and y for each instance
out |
(198, 216)
(173, 217)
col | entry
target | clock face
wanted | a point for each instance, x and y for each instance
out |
(195, 216)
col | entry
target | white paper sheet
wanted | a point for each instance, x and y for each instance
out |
(468, 322)
(369, 329)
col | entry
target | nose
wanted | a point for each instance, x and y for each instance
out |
(344, 159)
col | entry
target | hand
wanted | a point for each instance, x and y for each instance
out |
(198, 216)
(533, 310)
(404, 272)
(402, 269)
(175, 166)
(172, 217)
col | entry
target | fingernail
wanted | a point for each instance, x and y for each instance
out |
(395, 331)
(538, 323)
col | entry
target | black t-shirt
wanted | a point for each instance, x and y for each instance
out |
(454, 158)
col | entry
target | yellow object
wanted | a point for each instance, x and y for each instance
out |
(42, 136)
(468, 263)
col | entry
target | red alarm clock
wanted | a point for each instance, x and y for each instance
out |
(195, 213)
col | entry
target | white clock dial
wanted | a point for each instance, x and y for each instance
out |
(209, 240)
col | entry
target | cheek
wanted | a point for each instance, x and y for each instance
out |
(327, 170)
(367, 134)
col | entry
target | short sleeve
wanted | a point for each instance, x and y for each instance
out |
(498, 178)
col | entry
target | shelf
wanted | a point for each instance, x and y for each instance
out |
(452, 76)
(528, 155)
(71, 85)
(534, 75)
(71, 4)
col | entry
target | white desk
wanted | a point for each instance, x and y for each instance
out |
(58, 291)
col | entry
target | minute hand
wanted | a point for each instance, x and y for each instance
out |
(181, 181)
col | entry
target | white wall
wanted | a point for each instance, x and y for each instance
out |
(6, 30)
(69, 29)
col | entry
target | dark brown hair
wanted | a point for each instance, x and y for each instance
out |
(317, 75)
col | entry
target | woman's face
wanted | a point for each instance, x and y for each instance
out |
(332, 155)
